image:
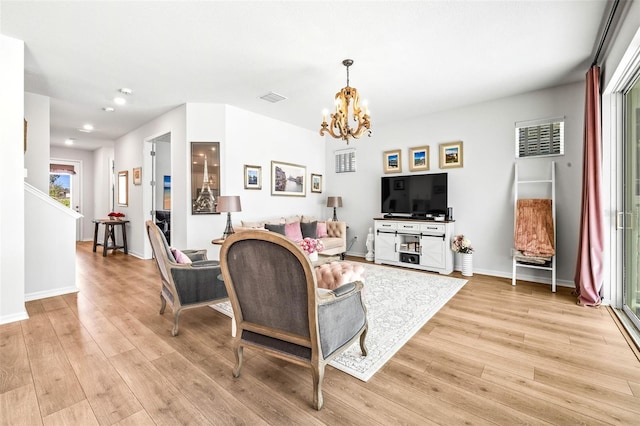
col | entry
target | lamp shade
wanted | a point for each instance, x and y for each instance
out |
(229, 203)
(334, 201)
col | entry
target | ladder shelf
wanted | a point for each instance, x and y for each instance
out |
(519, 264)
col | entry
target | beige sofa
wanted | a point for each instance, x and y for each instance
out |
(335, 241)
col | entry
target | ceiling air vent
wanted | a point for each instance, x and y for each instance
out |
(272, 97)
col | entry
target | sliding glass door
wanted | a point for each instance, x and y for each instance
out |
(631, 219)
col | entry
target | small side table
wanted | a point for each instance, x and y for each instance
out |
(110, 234)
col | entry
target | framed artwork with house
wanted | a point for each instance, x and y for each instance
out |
(451, 155)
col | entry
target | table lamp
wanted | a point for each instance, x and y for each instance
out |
(334, 202)
(228, 204)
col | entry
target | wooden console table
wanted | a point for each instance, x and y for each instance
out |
(110, 234)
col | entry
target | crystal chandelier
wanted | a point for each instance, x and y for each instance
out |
(339, 127)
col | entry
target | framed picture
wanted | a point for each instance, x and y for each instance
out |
(123, 188)
(419, 158)
(205, 177)
(137, 175)
(166, 193)
(392, 161)
(288, 179)
(316, 183)
(451, 155)
(252, 177)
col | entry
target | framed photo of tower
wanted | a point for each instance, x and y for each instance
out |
(205, 177)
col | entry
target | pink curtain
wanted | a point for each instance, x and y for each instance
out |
(589, 267)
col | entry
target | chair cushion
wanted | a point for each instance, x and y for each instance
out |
(180, 256)
(330, 243)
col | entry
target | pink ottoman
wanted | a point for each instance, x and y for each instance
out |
(334, 274)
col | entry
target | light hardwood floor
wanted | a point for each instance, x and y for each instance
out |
(495, 354)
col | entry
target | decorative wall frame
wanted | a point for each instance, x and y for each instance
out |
(137, 175)
(288, 179)
(252, 177)
(451, 155)
(123, 188)
(419, 158)
(166, 193)
(205, 177)
(392, 161)
(316, 183)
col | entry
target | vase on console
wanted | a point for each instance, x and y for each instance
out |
(313, 256)
(467, 264)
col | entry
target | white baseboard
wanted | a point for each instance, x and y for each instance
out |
(14, 317)
(50, 293)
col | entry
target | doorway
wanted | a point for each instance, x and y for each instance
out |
(64, 187)
(161, 183)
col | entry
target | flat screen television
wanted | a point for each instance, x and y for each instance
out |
(415, 195)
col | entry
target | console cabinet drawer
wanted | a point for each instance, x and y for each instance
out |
(413, 227)
(387, 225)
(432, 228)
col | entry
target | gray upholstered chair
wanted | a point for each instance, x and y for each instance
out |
(278, 309)
(185, 285)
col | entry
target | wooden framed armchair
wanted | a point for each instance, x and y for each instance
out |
(278, 310)
(185, 285)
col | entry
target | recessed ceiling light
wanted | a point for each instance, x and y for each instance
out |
(119, 101)
(69, 141)
(85, 130)
(88, 127)
(108, 109)
(126, 91)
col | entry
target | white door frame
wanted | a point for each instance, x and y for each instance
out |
(76, 190)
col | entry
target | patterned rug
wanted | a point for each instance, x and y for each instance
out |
(399, 302)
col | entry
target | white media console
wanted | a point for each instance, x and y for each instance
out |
(414, 243)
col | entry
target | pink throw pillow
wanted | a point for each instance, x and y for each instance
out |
(293, 231)
(180, 256)
(322, 230)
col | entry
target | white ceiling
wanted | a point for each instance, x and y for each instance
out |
(411, 58)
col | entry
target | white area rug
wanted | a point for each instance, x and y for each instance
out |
(399, 302)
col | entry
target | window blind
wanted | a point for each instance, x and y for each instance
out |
(540, 138)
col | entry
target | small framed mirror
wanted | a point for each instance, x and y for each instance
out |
(123, 188)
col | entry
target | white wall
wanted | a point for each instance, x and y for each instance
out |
(102, 181)
(255, 140)
(132, 150)
(245, 138)
(51, 230)
(481, 191)
(36, 160)
(12, 178)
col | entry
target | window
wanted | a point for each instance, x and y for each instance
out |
(540, 138)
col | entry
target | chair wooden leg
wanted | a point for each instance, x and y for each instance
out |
(318, 377)
(363, 346)
(176, 317)
(163, 304)
(238, 353)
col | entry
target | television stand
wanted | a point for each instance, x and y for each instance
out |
(414, 243)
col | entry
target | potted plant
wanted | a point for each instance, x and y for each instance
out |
(462, 245)
(311, 246)
(116, 215)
